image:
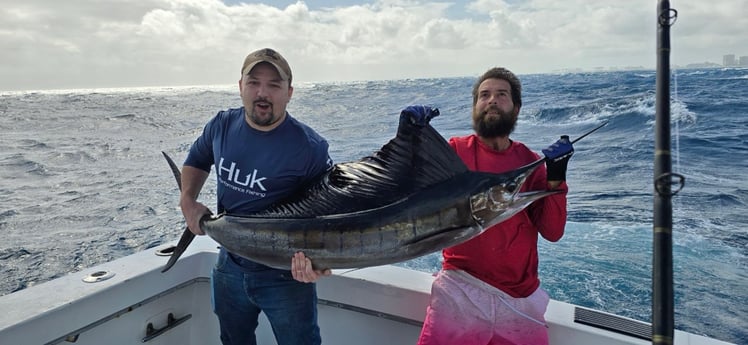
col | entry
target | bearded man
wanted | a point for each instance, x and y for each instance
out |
(488, 291)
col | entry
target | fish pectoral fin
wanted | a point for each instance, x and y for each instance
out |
(441, 239)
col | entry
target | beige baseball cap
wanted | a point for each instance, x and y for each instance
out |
(270, 56)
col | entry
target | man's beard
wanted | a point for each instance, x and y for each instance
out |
(493, 127)
(263, 121)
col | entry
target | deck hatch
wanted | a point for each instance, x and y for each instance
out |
(73, 336)
(613, 323)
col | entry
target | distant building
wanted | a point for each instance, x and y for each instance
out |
(728, 60)
(743, 61)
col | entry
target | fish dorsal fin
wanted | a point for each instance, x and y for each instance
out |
(417, 158)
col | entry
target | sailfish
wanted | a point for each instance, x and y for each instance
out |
(412, 197)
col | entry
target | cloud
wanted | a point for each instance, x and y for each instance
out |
(89, 43)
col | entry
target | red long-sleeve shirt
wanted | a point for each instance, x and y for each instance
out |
(506, 255)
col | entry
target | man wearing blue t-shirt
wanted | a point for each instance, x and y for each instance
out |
(261, 154)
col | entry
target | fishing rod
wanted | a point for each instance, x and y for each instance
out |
(545, 158)
(662, 251)
(590, 132)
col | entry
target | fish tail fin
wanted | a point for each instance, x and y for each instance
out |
(174, 169)
(187, 235)
(184, 242)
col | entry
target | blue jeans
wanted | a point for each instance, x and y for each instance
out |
(242, 288)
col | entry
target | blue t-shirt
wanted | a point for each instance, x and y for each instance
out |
(255, 169)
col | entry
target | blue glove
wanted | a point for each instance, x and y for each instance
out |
(557, 158)
(418, 114)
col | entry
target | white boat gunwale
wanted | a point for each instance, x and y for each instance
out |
(367, 301)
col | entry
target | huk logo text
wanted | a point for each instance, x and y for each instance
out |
(250, 180)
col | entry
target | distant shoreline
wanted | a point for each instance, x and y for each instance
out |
(703, 65)
(232, 87)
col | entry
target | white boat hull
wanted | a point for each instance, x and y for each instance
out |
(377, 305)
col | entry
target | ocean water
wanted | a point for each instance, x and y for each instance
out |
(82, 179)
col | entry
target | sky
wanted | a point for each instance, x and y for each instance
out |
(69, 44)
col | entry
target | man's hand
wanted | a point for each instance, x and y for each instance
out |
(193, 212)
(557, 158)
(302, 270)
(418, 114)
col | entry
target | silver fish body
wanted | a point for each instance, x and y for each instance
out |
(447, 214)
